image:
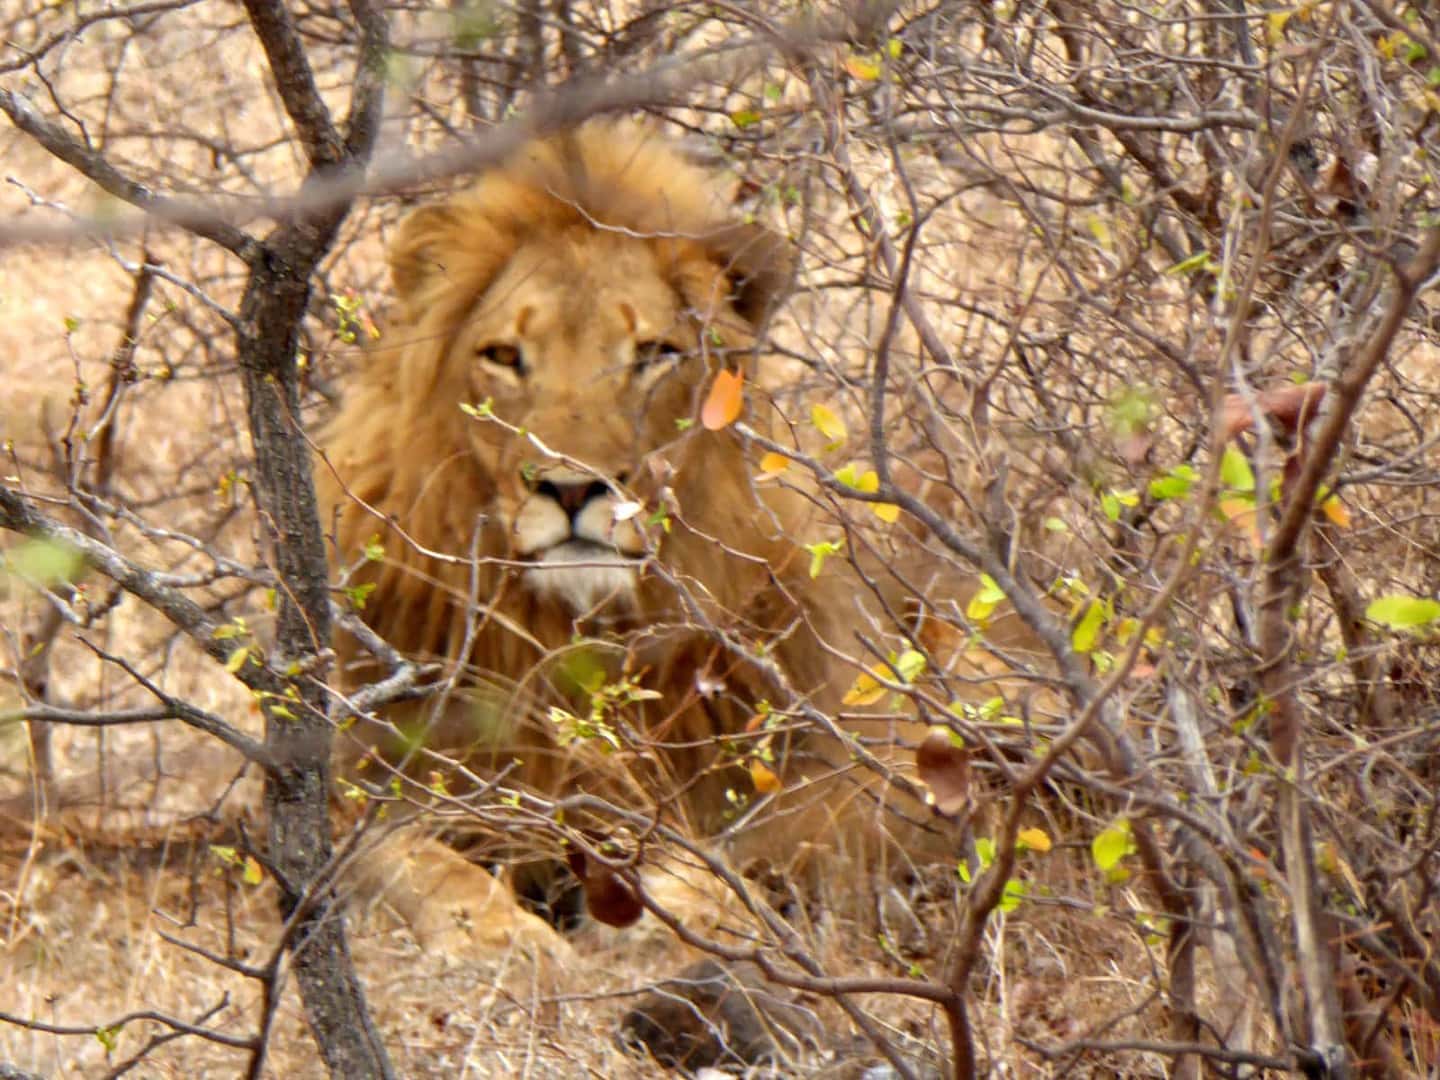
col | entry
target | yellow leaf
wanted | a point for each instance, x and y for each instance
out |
(866, 690)
(1335, 511)
(1034, 840)
(237, 659)
(1275, 26)
(773, 464)
(253, 875)
(723, 403)
(887, 512)
(829, 425)
(1100, 231)
(864, 68)
(765, 781)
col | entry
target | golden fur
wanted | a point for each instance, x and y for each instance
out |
(540, 292)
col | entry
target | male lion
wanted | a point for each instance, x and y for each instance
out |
(580, 301)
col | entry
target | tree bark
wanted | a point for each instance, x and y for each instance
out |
(297, 721)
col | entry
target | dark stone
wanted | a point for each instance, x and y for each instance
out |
(713, 1014)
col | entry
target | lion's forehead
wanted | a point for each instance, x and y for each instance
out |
(616, 290)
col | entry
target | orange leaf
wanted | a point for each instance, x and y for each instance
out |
(1034, 840)
(764, 779)
(864, 68)
(1336, 512)
(1241, 514)
(773, 464)
(722, 404)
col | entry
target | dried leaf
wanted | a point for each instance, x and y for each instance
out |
(944, 768)
(723, 403)
(608, 897)
(1289, 406)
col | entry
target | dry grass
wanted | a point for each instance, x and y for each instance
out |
(1046, 286)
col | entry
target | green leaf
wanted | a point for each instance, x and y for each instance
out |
(1403, 612)
(910, 665)
(1133, 410)
(985, 851)
(1112, 845)
(1175, 484)
(1235, 471)
(485, 408)
(1112, 501)
(1191, 265)
(359, 595)
(45, 562)
(744, 118)
(820, 551)
(986, 600)
(1087, 630)
(1015, 891)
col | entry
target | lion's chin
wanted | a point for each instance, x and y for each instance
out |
(585, 577)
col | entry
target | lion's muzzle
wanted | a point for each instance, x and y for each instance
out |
(582, 539)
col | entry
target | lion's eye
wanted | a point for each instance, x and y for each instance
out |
(503, 356)
(650, 353)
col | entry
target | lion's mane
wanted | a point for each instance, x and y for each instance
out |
(404, 466)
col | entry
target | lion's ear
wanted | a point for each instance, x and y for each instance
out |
(418, 250)
(761, 264)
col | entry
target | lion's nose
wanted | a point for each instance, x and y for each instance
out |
(572, 496)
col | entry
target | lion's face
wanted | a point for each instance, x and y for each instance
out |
(589, 290)
(588, 344)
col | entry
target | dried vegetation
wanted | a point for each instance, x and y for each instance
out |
(1071, 275)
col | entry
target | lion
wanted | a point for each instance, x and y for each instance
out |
(554, 519)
